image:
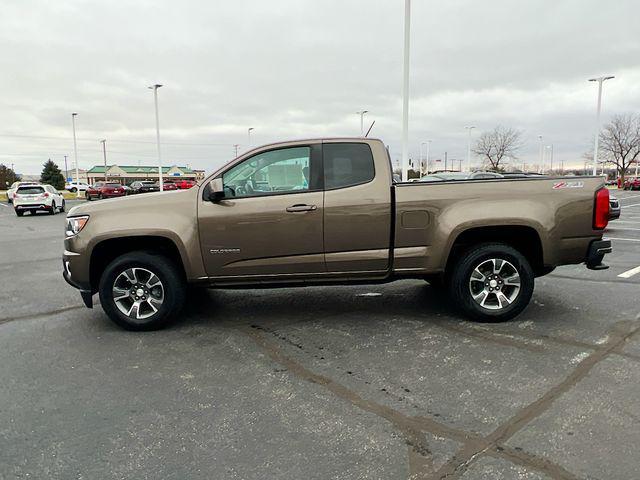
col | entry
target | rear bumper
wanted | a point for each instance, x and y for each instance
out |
(597, 250)
(31, 206)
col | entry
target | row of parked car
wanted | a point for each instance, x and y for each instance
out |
(100, 190)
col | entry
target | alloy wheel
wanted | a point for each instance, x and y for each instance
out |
(138, 293)
(494, 284)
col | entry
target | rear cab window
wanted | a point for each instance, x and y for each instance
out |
(347, 164)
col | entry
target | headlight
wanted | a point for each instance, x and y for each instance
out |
(75, 224)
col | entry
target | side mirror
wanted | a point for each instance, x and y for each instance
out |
(216, 189)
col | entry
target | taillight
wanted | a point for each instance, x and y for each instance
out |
(601, 209)
(45, 195)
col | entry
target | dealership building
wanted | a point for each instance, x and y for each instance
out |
(126, 174)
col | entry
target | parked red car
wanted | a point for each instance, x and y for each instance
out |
(102, 190)
(166, 186)
(631, 184)
(184, 184)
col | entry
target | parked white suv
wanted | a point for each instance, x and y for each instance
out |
(14, 186)
(75, 186)
(31, 198)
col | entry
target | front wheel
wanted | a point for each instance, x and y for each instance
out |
(492, 282)
(19, 212)
(62, 207)
(142, 291)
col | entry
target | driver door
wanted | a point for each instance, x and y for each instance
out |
(269, 222)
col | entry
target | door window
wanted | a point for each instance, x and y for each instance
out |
(272, 172)
(347, 164)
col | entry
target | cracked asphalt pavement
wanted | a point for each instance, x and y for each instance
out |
(380, 382)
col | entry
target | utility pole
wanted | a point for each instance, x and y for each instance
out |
(405, 91)
(155, 101)
(469, 128)
(104, 154)
(600, 81)
(75, 153)
(362, 114)
(66, 170)
(445, 161)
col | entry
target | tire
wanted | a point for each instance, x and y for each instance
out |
(19, 212)
(168, 301)
(9, 201)
(491, 277)
(99, 196)
(53, 208)
(62, 207)
(87, 196)
(73, 190)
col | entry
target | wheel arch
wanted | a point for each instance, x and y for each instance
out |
(524, 238)
(107, 250)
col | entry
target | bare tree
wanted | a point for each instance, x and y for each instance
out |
(498, 144)
(620, 142)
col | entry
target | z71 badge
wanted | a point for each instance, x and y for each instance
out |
(572, 184)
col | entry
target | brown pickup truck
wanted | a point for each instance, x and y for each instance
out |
(327, 211)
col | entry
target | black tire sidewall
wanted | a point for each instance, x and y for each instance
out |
(168, 273)
(459, 282)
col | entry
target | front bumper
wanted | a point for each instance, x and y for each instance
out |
(597, 250)
(86, 294)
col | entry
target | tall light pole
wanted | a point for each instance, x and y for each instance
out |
(469, 128)
(155, 101)
(75, 153)
(66, 170)
(104, 154)
(550, 147)
(249, 136)
(405, 91)
(362, 114)
(541, 159)
(236, 148)
(600, 81)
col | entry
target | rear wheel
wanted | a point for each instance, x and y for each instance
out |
(492, 282)
(53, 208)
(142, 291)
(19, 212)
(62, 207)
(73, 190)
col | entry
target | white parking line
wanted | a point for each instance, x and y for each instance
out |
(634, 205)
(624, 228)
(630, 273)
(616, 222)
(624, 239)
(5, 205)
(627, 198)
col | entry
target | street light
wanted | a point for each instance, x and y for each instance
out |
(362, 113)
(428, 144)
(600, 81)
(405, 91)
(155, 101)
(104, 154)
(249, 136)
(550, 147)
(75, 153)
(469, 128)
(541, 160)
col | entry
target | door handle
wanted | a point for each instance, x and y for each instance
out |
(301, 208)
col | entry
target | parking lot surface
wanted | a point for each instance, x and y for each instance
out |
(383, 382)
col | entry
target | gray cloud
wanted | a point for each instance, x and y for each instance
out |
(297, 68)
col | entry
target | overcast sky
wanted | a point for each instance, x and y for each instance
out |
(302, 68)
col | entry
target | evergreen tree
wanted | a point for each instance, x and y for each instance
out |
(52, 175)
(7, 177)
